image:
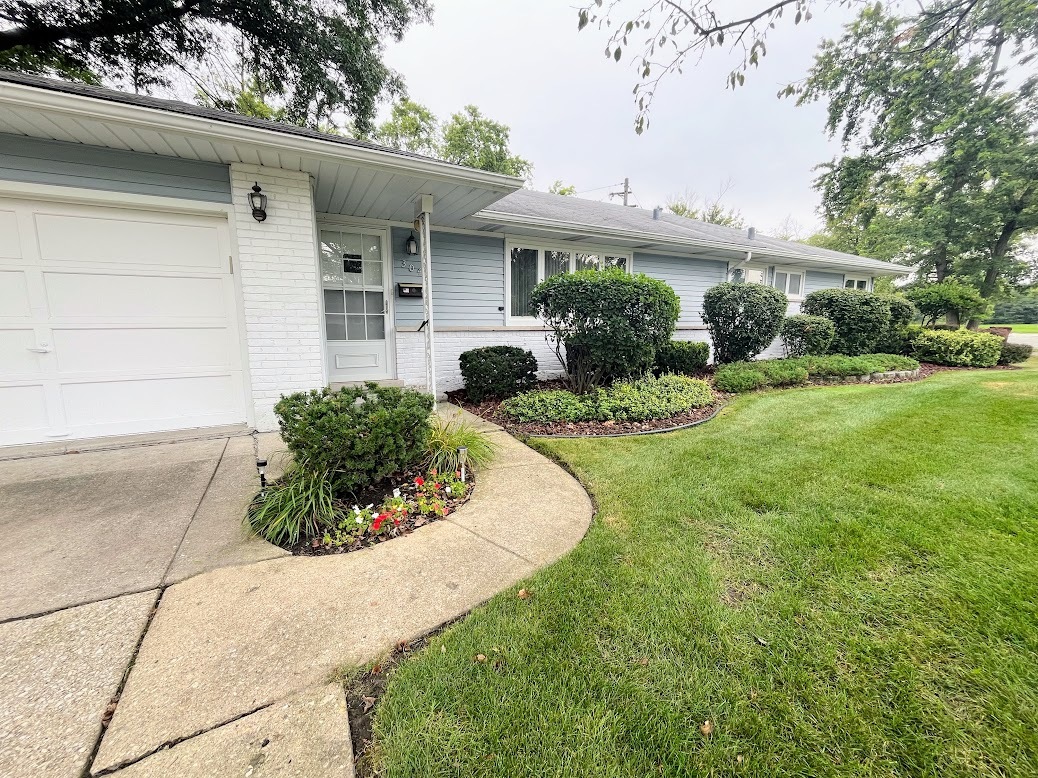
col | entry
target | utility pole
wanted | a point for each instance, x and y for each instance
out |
(624, 194)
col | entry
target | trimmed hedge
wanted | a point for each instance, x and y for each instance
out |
(770, 373)
(958, 347)
(893, 338)
(357, 435)
(1015, 353)
(682, 357)
(859, 318)
(638, 400)
(803, 335)
(743, 319)
(606, 324)
(497, 371)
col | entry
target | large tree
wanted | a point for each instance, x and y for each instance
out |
(940, 137)
(321, 57)
(713, 210)
(659, 37)
(467, 138)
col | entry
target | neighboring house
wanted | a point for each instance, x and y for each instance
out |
(138, 293)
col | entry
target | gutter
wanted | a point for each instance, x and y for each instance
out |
(507, 219)
(94, 108)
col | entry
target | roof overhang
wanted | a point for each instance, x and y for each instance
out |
(357, 180)
(516, 224)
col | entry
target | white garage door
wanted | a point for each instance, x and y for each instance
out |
(114, 321)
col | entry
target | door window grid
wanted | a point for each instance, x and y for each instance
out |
(351, 264)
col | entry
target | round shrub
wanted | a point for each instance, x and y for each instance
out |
(356, 435)
(958, 347)
(497, 371)
(743, 319)
(605, 324)
(803, 335)
(859, 318)
(893, 339)
(736, 377)
(936, 301)
(682, 357)
(1015, 353)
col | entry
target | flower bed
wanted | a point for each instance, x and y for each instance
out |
(389, 512)
(627, 407)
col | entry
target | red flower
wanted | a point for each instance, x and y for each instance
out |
(432, 472)
(396, 520)
(436, 486)
(419, 481)
(377, 523)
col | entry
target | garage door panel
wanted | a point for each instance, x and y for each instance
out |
(10, 242)
(96, 240)
(152, 404)
(15, 357)
(23, 412)
(14, 295)
(129, 351)
(115, 296)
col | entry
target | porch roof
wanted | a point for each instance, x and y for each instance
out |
(352, 176)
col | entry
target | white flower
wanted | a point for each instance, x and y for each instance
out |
(356, 509)
(369, 507)
(396, 493)
(448, 490)
(359, 519)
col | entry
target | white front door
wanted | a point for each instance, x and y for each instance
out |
(356, 279)
(114, 321)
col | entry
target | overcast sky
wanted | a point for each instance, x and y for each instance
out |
(571, 111)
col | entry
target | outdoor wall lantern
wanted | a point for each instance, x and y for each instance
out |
(258, 201)
(411, 246)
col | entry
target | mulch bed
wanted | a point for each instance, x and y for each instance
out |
(376, 495)
(491, 409)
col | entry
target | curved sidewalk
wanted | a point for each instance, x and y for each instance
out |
(244, 643)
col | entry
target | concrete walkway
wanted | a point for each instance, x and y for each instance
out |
(232, 672)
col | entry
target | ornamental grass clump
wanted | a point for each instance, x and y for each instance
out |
(449, 435)
(297, 505)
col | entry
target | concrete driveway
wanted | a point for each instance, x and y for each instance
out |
(1020, 337)
(80, 528)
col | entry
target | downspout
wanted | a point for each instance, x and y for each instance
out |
(733, 268)
(423, 215)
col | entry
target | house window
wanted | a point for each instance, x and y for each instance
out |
(529, 264)
(748, 275)
(790, 283)
(856, 282)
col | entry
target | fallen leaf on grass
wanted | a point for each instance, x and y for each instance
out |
(481, 657)
(644, 661)
(368, 703)
(524, 594)
(443, 649)
(760, 640)
(707, 727)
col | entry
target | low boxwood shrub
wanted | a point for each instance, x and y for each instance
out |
(743, 319)
(803, 335)
(770, 373)
(860, 318)
(497, 371)
(747, 376)
(1015, 353)
(958, 347)
(640, 399)
(682, 357)
(605, 324)
(356, 435)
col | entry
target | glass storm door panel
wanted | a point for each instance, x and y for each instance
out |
(355, 280)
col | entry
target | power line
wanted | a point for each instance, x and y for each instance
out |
(598, 188)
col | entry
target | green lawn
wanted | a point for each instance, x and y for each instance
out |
(844, 581)
(1031, 329)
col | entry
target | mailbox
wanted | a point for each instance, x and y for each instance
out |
(409, 290)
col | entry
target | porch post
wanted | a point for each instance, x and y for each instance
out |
(423, 214)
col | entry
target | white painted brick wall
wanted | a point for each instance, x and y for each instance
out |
(277, 267)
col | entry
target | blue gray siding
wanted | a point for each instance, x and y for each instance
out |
(690, 278)
(816, 280)
(36, 161)
(468, 280)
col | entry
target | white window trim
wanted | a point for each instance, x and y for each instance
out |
(789, 272)
(519, 242)
(745, 269)
(866, 279)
